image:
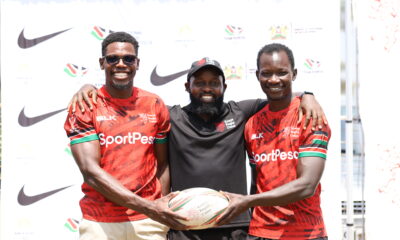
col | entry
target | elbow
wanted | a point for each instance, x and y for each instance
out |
(308, 190)
(88, 179)
(89, 176)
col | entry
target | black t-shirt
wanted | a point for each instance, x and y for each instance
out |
(211, 154)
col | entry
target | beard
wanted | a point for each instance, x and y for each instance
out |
(212, 109)
(122, 86)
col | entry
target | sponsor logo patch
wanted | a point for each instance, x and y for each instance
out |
(131, 138)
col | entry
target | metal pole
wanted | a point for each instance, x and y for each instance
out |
(350, 73)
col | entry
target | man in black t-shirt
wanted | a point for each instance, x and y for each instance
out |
(206, 143)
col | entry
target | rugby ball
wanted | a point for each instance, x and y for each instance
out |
(201, 206)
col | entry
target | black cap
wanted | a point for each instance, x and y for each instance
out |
(202, 63)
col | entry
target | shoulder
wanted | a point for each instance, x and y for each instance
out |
(79, 120)
(148, 96)
(261, 115)
(175, 111)
(252, 105)
(251, 101)
(241, 105)
(144, 93)
(175, 108)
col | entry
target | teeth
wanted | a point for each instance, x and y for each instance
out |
(120, 75)
(275, 89)
(207, 97)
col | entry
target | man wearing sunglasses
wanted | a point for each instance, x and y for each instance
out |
(120, 148)
(206, 143)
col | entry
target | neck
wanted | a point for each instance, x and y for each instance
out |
(276, 105)
(205, 117)
(116, 93)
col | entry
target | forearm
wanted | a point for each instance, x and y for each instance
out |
(302, 94)
(296, 190)
(87, 156)
(298, 94)
(165, 181)
(161, 152)
(114, 191)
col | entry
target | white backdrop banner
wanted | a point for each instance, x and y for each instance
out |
(379, 49)
(50, 48)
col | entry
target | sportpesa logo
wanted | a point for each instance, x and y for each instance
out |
(131, 138)
(275, 155)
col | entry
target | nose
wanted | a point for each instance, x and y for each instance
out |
(120, 62)
(274, 79)
(207, 88)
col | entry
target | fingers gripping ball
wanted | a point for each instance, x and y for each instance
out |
(201, 206)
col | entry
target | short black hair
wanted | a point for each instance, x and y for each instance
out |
(275, 47)
(119, 37)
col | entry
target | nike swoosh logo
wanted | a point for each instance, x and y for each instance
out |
(158, 80)
(26, 200)
(25, 121)
(28, 43)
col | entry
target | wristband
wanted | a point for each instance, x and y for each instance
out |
(311, 93)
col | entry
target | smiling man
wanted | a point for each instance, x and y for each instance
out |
(206, 142)
(288, 159)
(120, 148)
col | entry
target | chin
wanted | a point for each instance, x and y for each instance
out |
(122, 85)
(274, 98)
(210, 102)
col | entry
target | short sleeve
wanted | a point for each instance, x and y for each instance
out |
(314, 143)
(251, 107)
(79, 127)
(164, 124)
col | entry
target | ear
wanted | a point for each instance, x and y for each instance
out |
(187, 86)
(294, 74)
(137, 63)
(257, 75)
(225, 86)
(101, 62)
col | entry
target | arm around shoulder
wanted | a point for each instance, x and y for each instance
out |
(84, 97)
(312, 110)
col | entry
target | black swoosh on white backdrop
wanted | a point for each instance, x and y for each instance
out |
(158, 80)
(28, 43)
(25, 121)
(26, 200)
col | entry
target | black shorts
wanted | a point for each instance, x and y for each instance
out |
(260, 238)
(234, 233)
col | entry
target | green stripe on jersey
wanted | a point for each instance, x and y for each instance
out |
(322, 142)
(312, 154)
(85, 139)
(160, 140)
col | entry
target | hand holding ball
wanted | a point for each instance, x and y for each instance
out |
(201, 206)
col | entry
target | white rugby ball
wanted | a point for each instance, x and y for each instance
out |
(201, 206)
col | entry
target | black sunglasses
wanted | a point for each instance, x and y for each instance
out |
(127, 59)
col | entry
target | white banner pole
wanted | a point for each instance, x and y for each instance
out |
(350, 66)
